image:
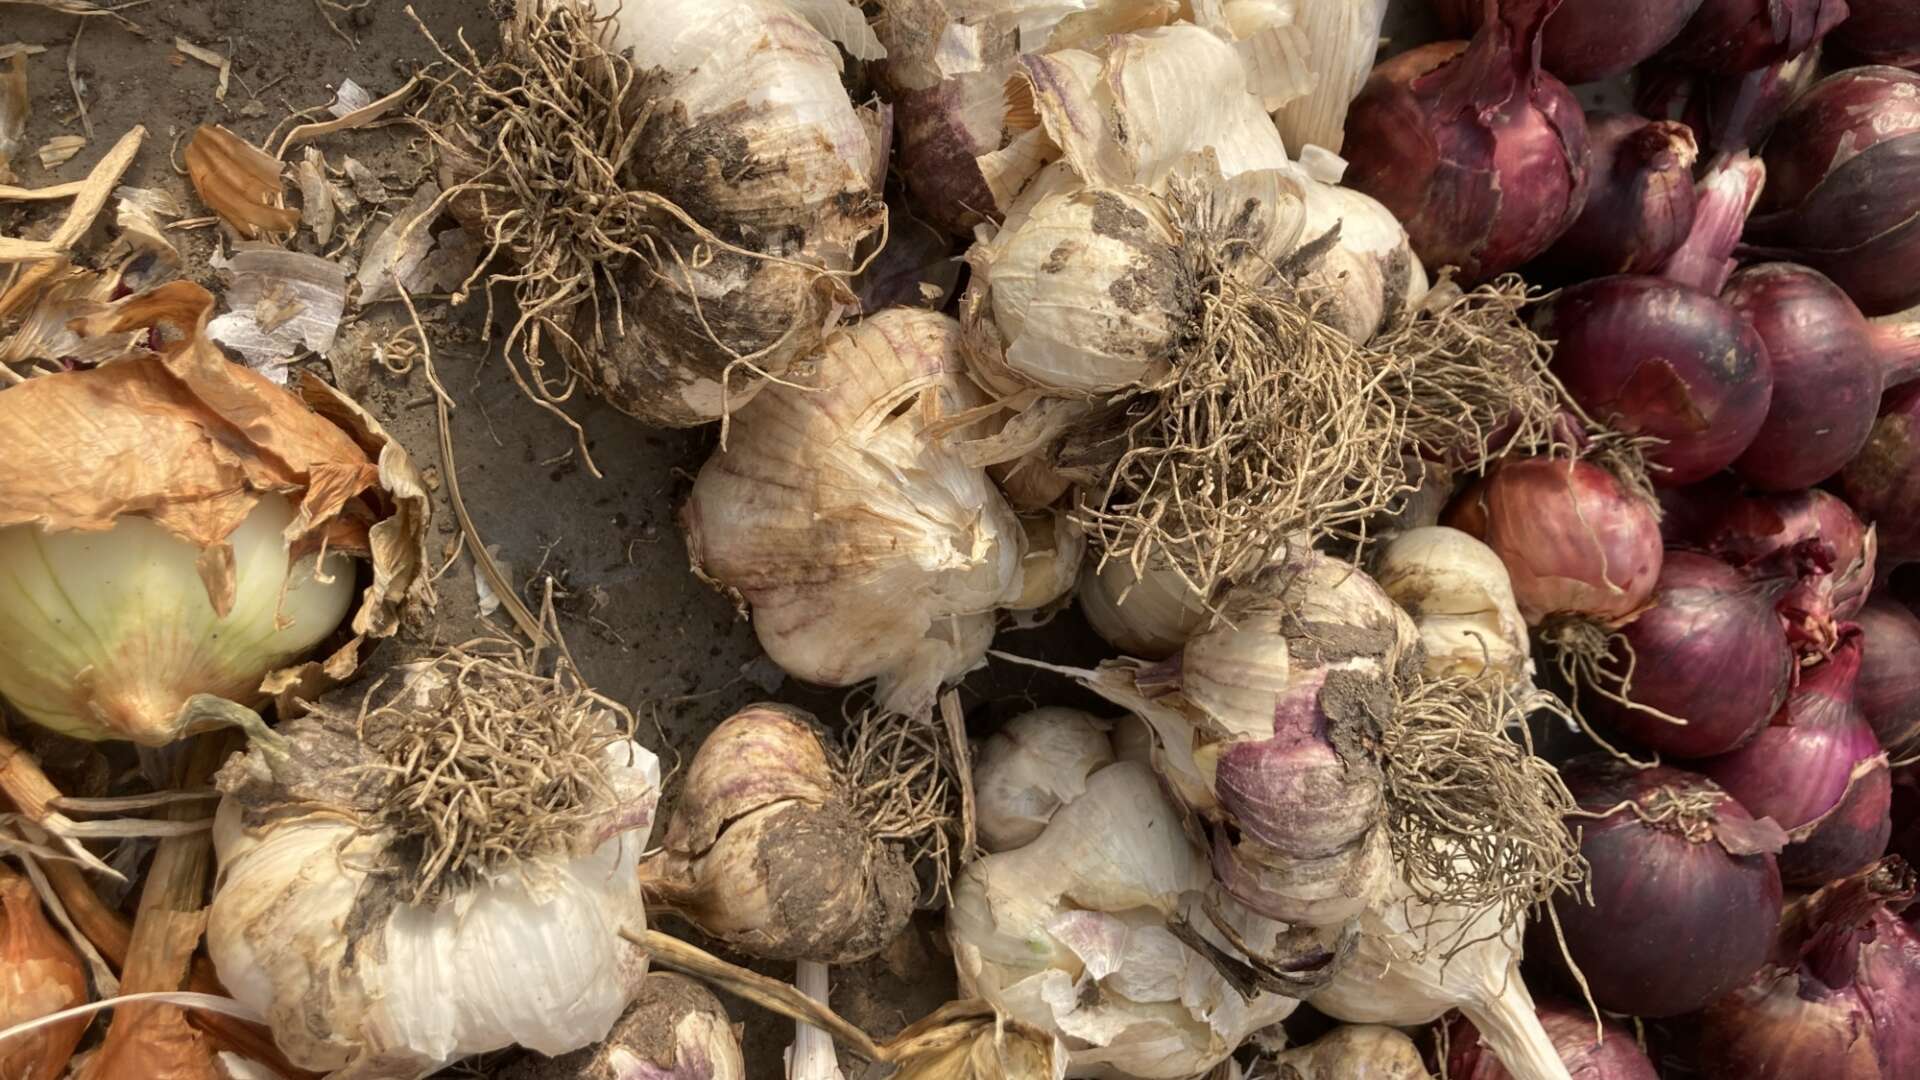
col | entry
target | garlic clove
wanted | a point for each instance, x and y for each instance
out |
(1322, 890)
(1148, 615)
(762, 755)
(1356, 1052)
(1461, 599)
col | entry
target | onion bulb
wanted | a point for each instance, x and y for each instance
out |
(1642, 201)
(769, 848)
(1817, 770)
(1883, 482)
(1731, 36)
(1685, 893)
(40, 974)
(1588, 40)
(1461, 600)
(1841, 997)
(1888, 692)
(1033, 765)
(1882, 31)
(1613, 1056)
(1574, 539)
(1355, 1052)
(1477, 150)
(865, 545)
(176, 525)
(435, 866)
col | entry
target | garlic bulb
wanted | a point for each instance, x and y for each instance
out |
(1149, 615)
(1342, 37)
(173, 525)
(1458, 592)
(1370, 278)
(1054, 544)
(865, 545)
(434, 867)
(1032, 766)
(40, 974)
(674, 1030)
(1354, 1052)
(970, 1040)
(1415, 961)
(1068, 934)
(769, 850)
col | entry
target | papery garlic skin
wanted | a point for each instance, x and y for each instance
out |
(308, 926)
(867, 548)
(1068, 934)
(105, 635)
(1033, 765)
(1460, 597)
(40, 974)
(1342, 38)
(1055, 544)
(1356, 1052)
(791, 178)
(1146, 615)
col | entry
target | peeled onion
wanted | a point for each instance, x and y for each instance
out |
(1889, 688)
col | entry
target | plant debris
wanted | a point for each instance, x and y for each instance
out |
(210, 58)
(240, 183)
(279, 302)
(59, 150)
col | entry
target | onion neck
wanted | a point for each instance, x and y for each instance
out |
(1510, 1026)
(1500, 62)
(1896, 345)
(1726, 196)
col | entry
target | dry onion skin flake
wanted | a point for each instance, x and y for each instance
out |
(434, 866)
(173, 525)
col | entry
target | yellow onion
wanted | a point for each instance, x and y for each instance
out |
(40, 973)
(173, 525)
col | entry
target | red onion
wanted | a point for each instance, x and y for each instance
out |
(1722, 202)
(1574, 540)
(1479, 153)
(1685, 891)
(1843, 186)
(1840, 999)
(1728, 113)
(1710, 652)
(1732, 36)
(1654, 357)
(1615, 1057)
(1883, 483)
(1906, 822)
(1882, 31)
(1588, 40)
(1830, 367)
(1640, 206)
(1889, 689)
(1817, 770)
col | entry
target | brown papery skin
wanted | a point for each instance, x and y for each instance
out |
(1575, 541)
(40, 973)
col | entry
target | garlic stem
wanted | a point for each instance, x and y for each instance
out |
(811, 1056)
(1511, 1026)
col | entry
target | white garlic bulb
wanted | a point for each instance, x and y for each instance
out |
(1068, 934)
(1371, 276)
(1054, 546)
(366, 958)
(1032, 766)
(1462, 601)
(867, 548)
(1147, 615)
(790, 180)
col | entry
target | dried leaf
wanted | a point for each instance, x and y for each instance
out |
(366, 186)
(399, 249)
(15, 107)
(349, 98)
(138, 216)
(317, 195)
(239, 182)
(455, 254)
(280, 301)
(44, 335)
(210, 58)
(59, 150)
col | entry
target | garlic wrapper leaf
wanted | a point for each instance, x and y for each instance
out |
(1148, 615)
(1459, 595)
(173, 525)
(1054, 546)
(1069, 934)
(1032, 766)
(726, 214)
(1414, 961)
(375, 941)
(1342, 37)
(970, 1040)
(866, 546)
(675, 1030)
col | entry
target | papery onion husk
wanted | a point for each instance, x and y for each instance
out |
(769, 846)
(434, 865)
(1640, 206)
(1888, 692)
(201, 525)
(1574, 539)
(708, 269)
(1723, 200)
(1478, 151)
(40, 974)
(674, 1030)
(1588, 40)
(1369, 1051)
(1732, 36)
(1685, 892)
(1709, 651)
(1614, 1056)
(1843, 186)
(1653, 357)
(1036, 763)
(240, 183)
(1881, 32)
(1841, 997)
(1817, 770)
(865, 544)
(1883, 482)
(1728, 114)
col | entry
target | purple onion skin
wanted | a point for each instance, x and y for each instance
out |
(1889, 688)
(1709, 651)
(1640, 205)
(1677, 920)
(1655, 357)
(1843, 186)
(1854, 835)
(1615, 1057)
(1883, 482)
(1728, 113)
(1882, 31)
(1826, 379)
(1732, 36)
(1588, 40)
(1479, 153)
